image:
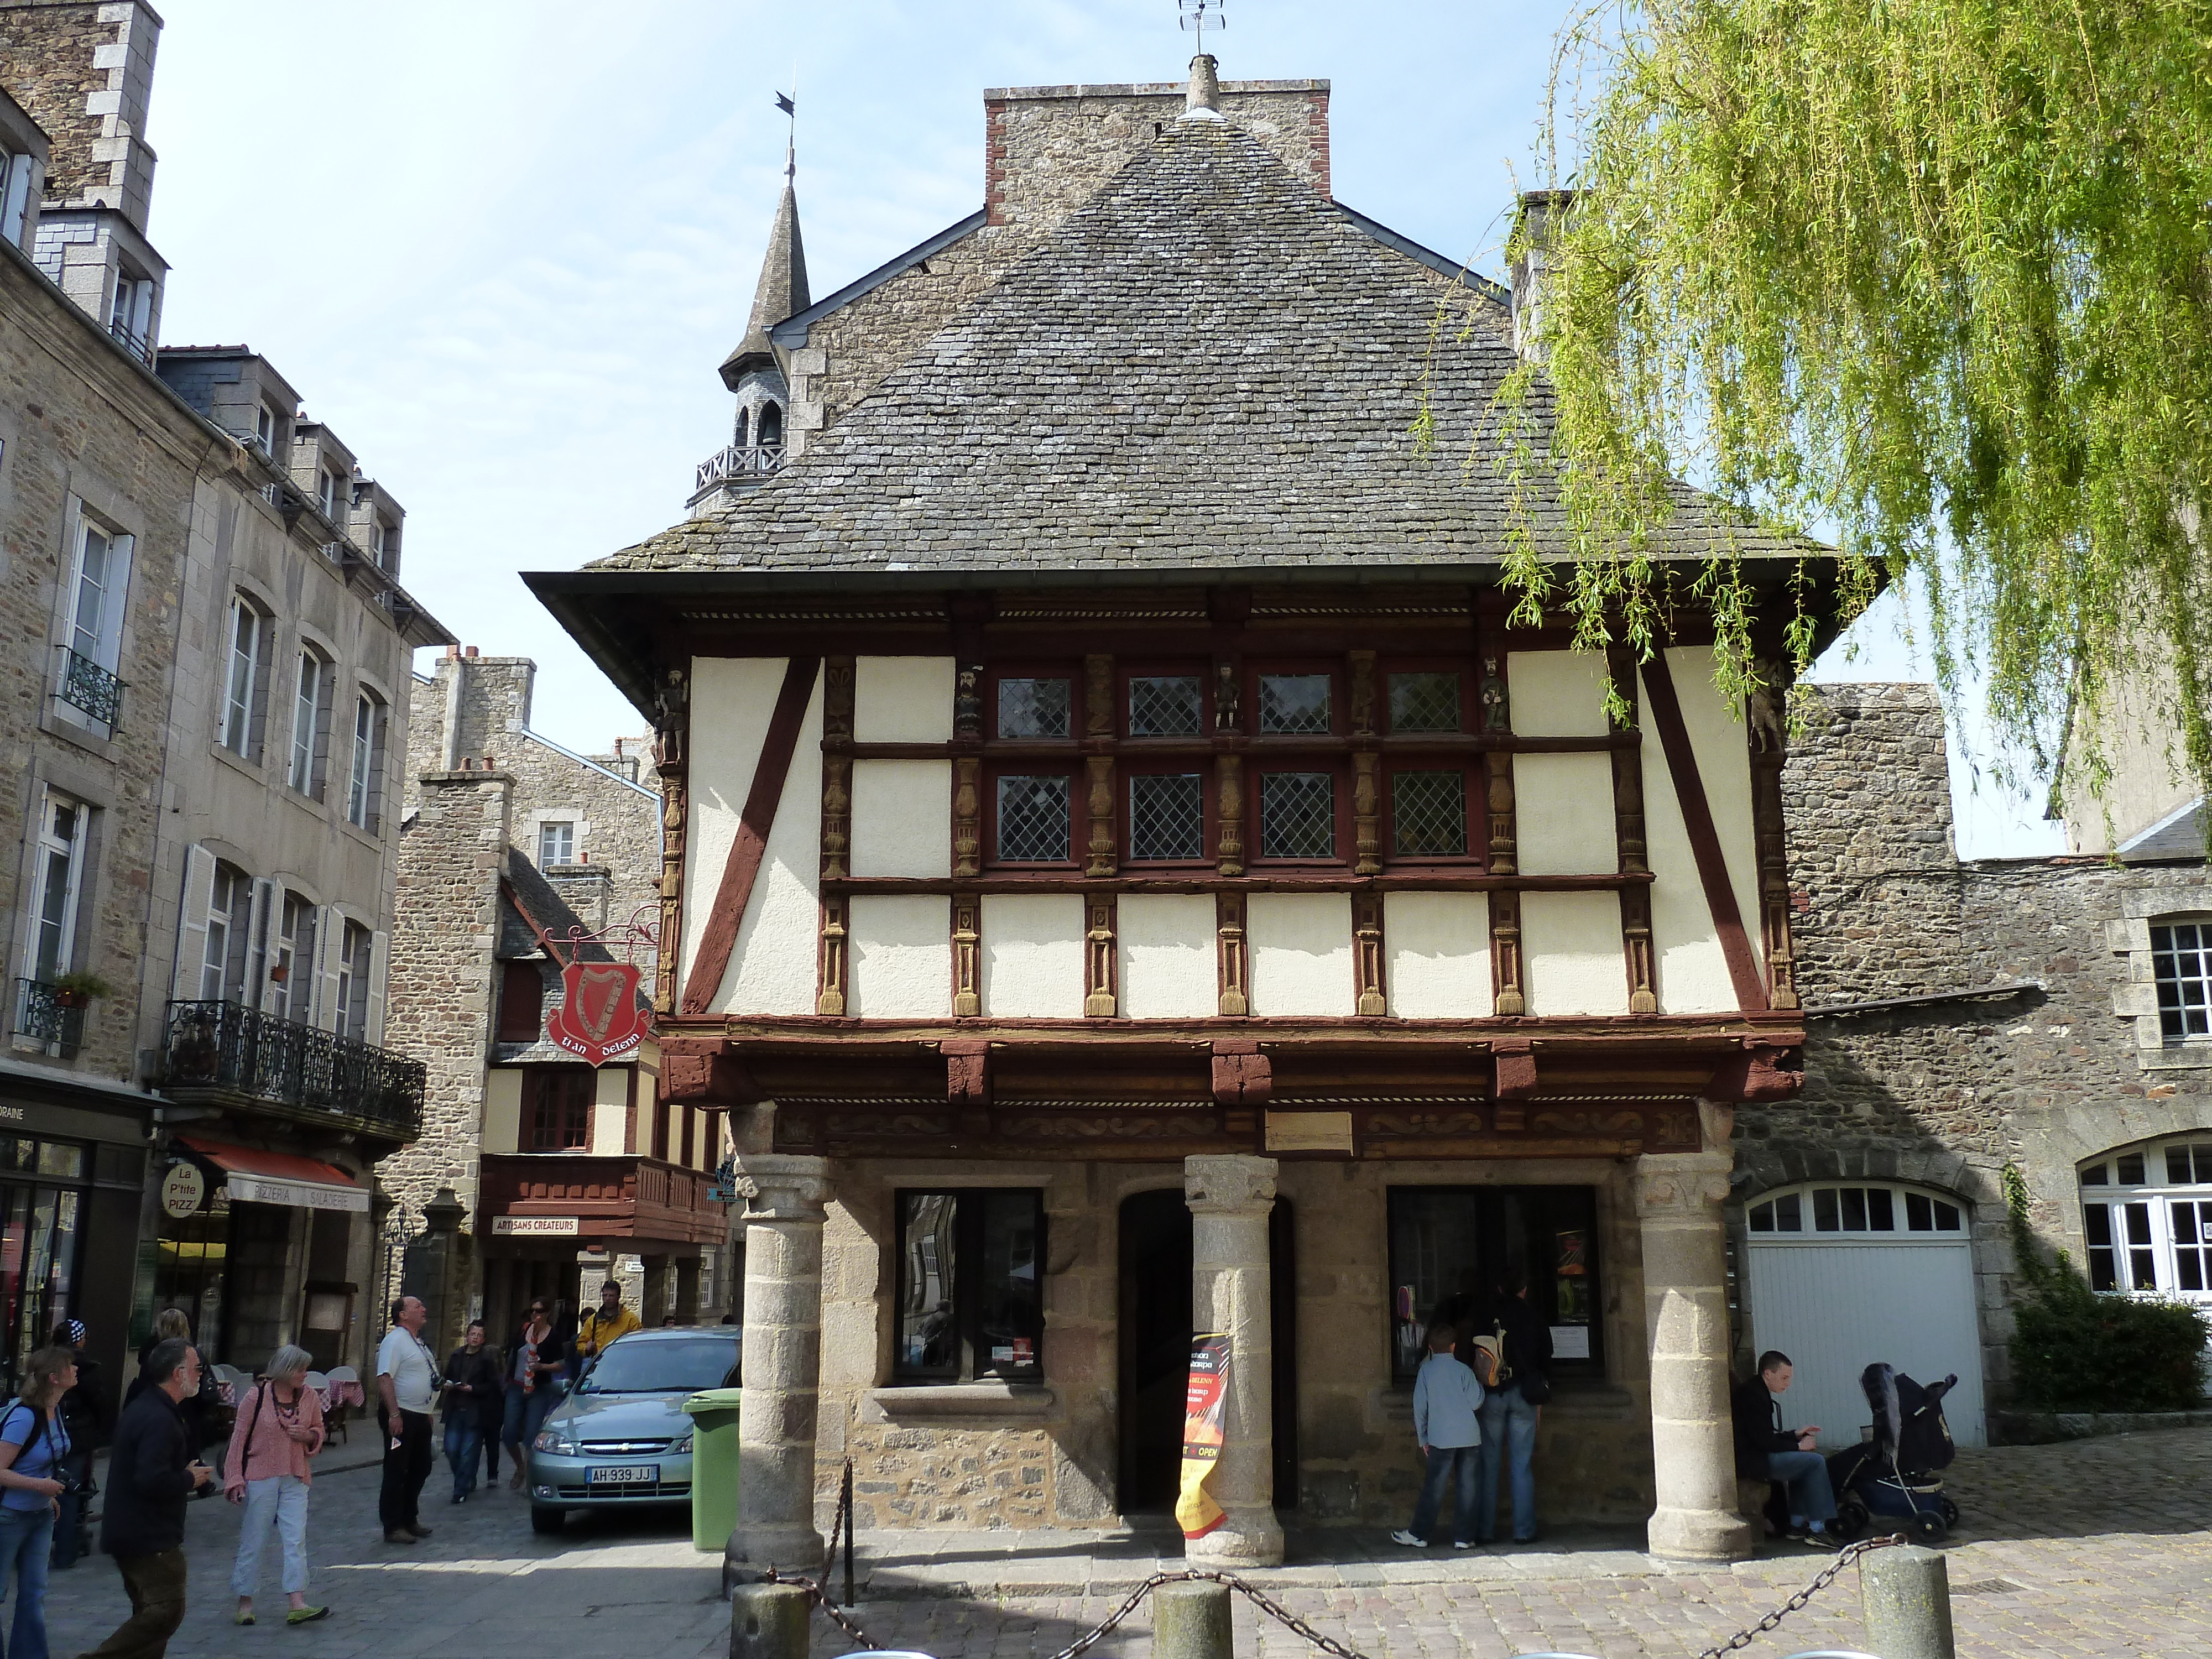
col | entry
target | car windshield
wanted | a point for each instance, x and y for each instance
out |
(682, 1366)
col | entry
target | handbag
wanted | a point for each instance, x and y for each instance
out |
(1535, 1387)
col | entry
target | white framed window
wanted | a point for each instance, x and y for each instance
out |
(14, 195)
(2147, 1217)
(356, 946)
(244, 688)
(365, 779)
(264, 429)
(130, 319)
(57, 885)
(326, 492)
(292, 964)
(87, 691)
(556, 841)
(229, 929)
(1823, 1210)
(386, 540)
(305, 773)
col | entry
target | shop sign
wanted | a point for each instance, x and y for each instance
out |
(599, 1017)
(559, 1226)
(1308, 1132)
(183, 1190)
(302, 1195)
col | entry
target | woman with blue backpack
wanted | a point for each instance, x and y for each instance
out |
(34, 1448)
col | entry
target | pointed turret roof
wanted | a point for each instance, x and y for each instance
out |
(783, 289)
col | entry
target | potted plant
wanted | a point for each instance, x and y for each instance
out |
(74, 989)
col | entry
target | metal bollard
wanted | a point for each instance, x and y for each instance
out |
(1906, 1593)
(769, 1621)
(1191, 1621)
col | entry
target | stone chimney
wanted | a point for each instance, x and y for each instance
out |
(1203, 101)
(83, 70)
(1535, 237)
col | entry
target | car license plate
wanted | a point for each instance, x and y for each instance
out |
(626, 1475)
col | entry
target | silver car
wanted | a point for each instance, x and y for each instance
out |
(621, 1438)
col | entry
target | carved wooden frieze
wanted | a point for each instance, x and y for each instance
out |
(1414, 1126)
(1101, 921)
(1367, 952)
(1081, 1126)
(1235, 965)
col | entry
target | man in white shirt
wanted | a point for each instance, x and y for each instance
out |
(406, 1390)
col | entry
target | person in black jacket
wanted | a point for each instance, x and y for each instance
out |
(151, 1471)
(473, 1409)
(1765, 1450)
(1512, 1407)
(84, 1415)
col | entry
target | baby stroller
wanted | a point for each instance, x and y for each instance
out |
(1892, 1476)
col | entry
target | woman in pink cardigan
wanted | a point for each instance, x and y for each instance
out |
(280, 1427)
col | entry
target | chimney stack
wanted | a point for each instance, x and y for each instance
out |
(1203, 101)
(1535, 242)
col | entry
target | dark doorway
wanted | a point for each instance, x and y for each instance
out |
(1156, 1331)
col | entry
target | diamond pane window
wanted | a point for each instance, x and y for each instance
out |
(1297, 815)
(2181, 956)
(1428, 814)
(1166, 816)
(1424, 702)
(1035, 708)
(1296, 703)
(1164, 706)
(1033, 820)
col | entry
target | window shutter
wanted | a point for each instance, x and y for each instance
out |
(330, 939)
(193, 924)
(253, 988)
(380, 950)
(119, 606)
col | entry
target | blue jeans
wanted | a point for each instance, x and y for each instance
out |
(1452, 1466)
(526, 1415)
(27, 1543)
(463, 1440)
(1509, 1433)
(1806, 1475)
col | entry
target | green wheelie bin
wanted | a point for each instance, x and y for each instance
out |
(714, 1469)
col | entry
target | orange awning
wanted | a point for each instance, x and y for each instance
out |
(257, 1177)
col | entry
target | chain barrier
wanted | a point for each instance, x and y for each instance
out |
(1847, 1557)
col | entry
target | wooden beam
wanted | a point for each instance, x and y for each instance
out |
(1704, 839)
(719, 937)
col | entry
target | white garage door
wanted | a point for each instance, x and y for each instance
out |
(1841, 1277)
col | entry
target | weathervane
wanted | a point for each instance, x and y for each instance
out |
(790, 106)
(1197, 13)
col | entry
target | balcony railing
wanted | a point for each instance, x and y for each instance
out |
(90, 689)
(133, 342)
(738, 461)
(43, 1019)
(242, 1051)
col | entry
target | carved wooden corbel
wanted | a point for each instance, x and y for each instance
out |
(1242, 1074)
(1508, 1001)
(1099, 968)
(967, 956)
(830, 998)
(1229, 927)
(1367, 952)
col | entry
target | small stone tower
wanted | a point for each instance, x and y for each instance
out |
(755, 371)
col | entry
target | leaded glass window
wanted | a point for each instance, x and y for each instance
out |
(1035, 708)
(1428, 814)
(1166, 816)
(1164, 706)
(1297, 815)
(1294, 703)
(1424, 702)
(2181, 956)
(1033, 820)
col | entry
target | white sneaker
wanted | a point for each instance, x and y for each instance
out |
(1459, 1546)
(1401, 1536)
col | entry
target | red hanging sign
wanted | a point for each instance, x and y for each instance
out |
(599, 1017)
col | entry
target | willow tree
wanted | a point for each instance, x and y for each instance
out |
(1931, 278)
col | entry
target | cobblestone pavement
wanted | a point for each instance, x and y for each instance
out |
(2092, 1548)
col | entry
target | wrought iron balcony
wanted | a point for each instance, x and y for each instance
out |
(738, 461)
(90, 689)
(132, 341)
(48, 1017)
(228, 1049)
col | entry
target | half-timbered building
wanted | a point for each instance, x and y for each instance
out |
(1126, 873)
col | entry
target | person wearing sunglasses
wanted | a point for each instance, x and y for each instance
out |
(532, 1371)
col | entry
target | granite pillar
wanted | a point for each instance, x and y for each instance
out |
(1230, 1198)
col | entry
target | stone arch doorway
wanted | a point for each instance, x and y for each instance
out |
(1155, 1332)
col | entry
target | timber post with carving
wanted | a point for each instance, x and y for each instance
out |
(1100, 997)
(670, 736)
(1229, 929)
(1767, 726)
(1367, 952)
(836, 767)
(1628, 827)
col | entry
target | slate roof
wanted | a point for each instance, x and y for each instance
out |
(1207, 365)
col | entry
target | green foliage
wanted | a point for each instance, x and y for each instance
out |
(2073, 1350)
(1935, 274)
(85, 984)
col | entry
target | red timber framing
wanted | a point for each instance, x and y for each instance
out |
(1099, 1086)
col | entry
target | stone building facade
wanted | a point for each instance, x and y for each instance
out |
(520, 857)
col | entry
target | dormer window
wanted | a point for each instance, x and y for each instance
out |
(384, 544)
(130, 319)
(264, 429)
(326, 492)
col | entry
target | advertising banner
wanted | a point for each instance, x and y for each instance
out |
(1204, 1408)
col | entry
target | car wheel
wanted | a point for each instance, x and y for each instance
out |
(545, 1520)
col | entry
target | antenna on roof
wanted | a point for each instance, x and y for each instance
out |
(1197, 13)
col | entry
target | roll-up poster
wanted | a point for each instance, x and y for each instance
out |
(1196, 1512)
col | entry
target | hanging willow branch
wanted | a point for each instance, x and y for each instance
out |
(1933, 276)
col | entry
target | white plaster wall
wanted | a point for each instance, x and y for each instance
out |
(1557, 694)
(502, 1109)
(1438, 948)
(1169, 963)
(903, 817)
(1033, 955)
(1692, 972)
(901, 957)
(1564, 815)
(732, 699)
(902, 699)
(611, 1111)
(771, 971)
(1722, 740)
(1301, 952)
(1570, 954)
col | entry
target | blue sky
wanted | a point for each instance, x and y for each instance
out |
(501, 246)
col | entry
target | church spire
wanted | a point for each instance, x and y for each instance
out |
(782, 291)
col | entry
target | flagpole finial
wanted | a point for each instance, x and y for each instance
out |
(789, 106)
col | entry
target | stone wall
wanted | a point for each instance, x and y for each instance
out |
(84, 70)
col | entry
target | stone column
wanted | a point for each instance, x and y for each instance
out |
(1679, 1197)
(784, 1199)
(1231, 1280)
